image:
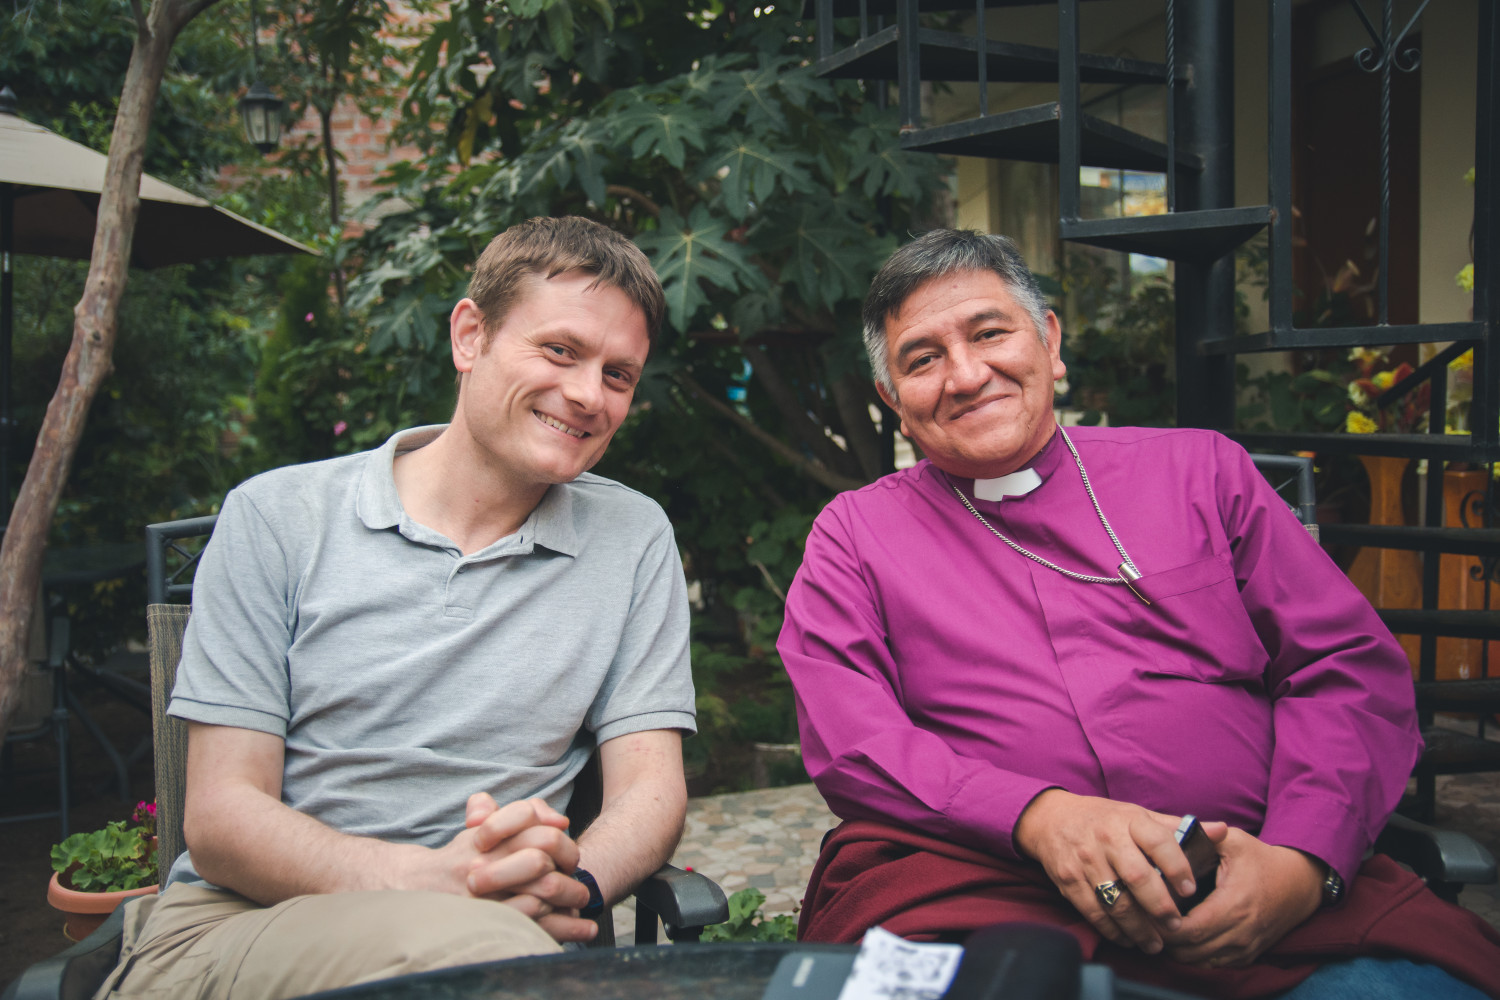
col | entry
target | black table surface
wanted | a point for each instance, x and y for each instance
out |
(679, 972)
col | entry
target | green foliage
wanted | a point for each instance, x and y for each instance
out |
(1118, 347)
(115, 858)
(169, 432)
(1313, 399)
(288, 425)
(67, 71)
(172, 428)
(747, 922)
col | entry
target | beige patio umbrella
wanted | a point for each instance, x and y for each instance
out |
(54, 184)
(49, 193)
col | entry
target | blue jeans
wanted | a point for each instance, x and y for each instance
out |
(1381, 979)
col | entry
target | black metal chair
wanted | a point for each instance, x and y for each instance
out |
(682, 902)
(1293, 473)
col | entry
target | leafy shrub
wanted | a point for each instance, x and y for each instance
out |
(747, 922)
(116, 858)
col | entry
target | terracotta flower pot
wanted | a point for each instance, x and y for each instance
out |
(85, 911)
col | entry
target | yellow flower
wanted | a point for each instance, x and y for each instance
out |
(1463, 362)
(1384, 380)
(1366, 355)
(1469, 176)
(1465, 278)
(1358, 423)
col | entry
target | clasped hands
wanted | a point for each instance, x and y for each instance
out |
(520, 854)
(1263, 891)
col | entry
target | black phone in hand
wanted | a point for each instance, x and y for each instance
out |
(1202, 857)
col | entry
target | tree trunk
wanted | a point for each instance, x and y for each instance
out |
(851, 394)
(94, 325)
(330, 154)
(811, 468)
(794, 414)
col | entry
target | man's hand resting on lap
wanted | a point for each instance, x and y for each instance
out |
(520, 854)
(1263, 891)
(1082, 841)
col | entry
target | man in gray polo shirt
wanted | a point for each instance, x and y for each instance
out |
(399, 660)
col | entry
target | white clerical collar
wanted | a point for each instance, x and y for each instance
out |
(1017, 484)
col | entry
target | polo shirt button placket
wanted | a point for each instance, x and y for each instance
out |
(454, 603)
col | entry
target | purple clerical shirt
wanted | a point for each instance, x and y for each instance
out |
(943, 679)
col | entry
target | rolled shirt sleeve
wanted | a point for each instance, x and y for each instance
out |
(233, 670)
(649, 684)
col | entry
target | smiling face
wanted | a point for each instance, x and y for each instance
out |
(543, 393)
(972, 378)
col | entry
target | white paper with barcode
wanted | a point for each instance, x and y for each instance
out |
(891, 968)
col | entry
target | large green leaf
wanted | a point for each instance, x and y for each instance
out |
(831, 257)
(412, 319)
(575, 149)
(759, 93)
(656, 127)
(876, 156)
(749, 170)
(688, 254)
(559, 17)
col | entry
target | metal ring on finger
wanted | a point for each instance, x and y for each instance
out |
(1108, 893)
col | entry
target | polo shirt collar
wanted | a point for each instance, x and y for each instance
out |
(378, 504)
(550, 524)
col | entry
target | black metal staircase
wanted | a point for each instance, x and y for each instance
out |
(898, 41)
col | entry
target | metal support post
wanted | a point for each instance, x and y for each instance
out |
(1204, 123)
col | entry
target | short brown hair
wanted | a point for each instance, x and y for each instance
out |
(546, 247)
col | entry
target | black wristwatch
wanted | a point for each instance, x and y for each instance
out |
(596, 898)
(1333, 887)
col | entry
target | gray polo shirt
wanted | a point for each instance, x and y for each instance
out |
(405, 676)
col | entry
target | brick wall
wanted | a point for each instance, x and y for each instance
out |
(365, 145)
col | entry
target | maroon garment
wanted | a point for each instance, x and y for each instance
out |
(919, 887)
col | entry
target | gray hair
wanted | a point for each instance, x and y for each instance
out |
(938, 254)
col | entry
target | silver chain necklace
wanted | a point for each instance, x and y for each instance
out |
(1127, 571)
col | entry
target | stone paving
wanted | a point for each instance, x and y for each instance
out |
(769, 839)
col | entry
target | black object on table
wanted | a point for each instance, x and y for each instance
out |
(700, 972)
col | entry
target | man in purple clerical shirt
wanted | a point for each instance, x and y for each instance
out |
(1049, 646)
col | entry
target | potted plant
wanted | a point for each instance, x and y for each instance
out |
(94, 872)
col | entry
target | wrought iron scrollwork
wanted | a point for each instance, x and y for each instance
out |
(1477, 505)
(1373, 60)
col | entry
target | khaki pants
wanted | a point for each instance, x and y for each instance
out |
(217, 945)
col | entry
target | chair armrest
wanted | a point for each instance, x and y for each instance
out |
(1437, 855)
(685, 901)
(76, 973)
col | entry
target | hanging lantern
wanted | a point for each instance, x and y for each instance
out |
(261, 111)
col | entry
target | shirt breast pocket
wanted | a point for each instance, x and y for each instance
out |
(1196, 625)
